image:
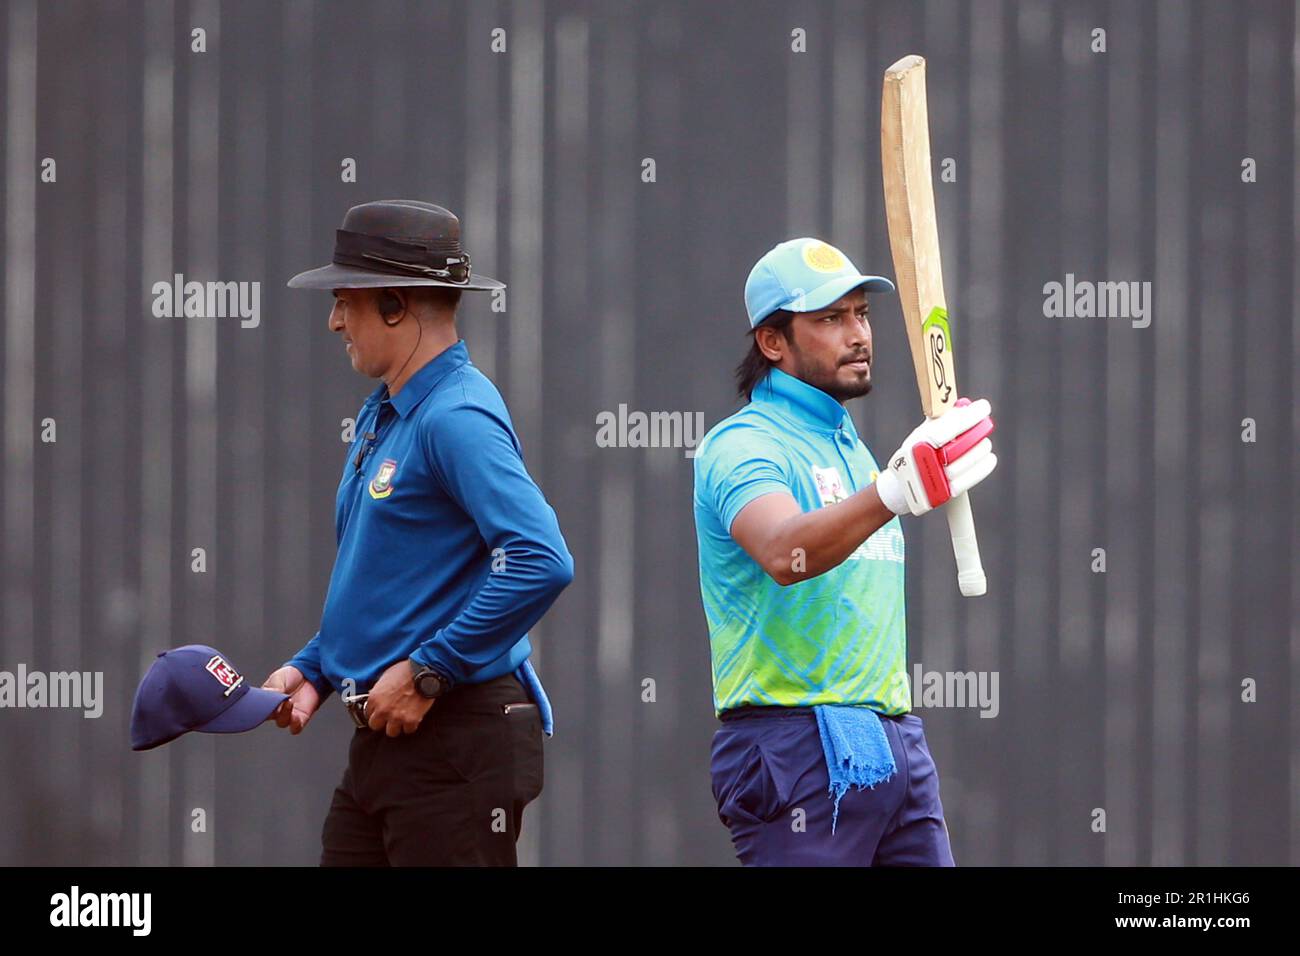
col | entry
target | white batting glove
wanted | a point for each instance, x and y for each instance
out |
(942, 458)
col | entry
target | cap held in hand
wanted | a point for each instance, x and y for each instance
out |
(195, 687)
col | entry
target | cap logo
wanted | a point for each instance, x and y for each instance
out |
(226, 676)
(823, 258)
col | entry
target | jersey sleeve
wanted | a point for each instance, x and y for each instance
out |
(476, 457)
(307, 661)
(738, 464)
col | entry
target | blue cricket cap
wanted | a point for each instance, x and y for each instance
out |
(195, 687)
(803, 275)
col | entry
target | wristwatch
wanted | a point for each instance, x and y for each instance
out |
(428, 682)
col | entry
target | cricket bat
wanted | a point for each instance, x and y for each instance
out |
(914, 240)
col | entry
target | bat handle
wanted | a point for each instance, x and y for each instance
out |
(965, 547)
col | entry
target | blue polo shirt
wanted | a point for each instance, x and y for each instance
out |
(447, 551)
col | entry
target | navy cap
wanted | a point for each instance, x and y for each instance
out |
(195, 687)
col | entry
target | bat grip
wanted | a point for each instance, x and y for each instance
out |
(965, 546)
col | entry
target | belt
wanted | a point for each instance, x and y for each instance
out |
(749, 711)
(356, 708)
(455, 699)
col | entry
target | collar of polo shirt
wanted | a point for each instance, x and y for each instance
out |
(423, 381)
(807, 404)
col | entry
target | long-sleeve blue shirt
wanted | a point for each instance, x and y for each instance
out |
(447, 551)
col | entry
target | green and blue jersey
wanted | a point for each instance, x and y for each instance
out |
(837, 638)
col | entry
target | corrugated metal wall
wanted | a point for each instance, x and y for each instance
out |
(1120, 691)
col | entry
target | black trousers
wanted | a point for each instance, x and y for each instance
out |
(451, 794)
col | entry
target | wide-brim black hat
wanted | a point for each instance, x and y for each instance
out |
(396, 242)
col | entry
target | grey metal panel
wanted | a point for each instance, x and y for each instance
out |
(1119, 691)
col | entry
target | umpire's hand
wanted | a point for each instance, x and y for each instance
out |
(302, 703)
(394, 705)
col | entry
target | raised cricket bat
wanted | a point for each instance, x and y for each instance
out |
(914, 240)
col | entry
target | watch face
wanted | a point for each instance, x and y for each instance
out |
(429, 684)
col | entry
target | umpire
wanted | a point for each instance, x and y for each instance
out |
(447, 554)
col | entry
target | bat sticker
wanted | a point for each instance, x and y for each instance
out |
(935, 328)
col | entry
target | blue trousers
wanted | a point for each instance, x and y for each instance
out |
(772, 789)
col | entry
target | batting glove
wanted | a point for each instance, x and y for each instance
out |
(943, 457)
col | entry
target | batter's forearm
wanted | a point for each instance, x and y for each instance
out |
(811, 543)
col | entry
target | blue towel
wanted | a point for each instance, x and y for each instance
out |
(528, 677)
(857, 751)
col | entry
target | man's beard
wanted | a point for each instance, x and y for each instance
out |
(823, 376)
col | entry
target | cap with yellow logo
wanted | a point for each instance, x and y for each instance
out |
(803, 275)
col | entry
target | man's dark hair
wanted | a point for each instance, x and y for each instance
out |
(440, 297)
(755, 365)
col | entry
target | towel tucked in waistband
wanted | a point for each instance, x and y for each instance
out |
(856, 748)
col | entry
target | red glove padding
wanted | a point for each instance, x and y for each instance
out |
(941, 458)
